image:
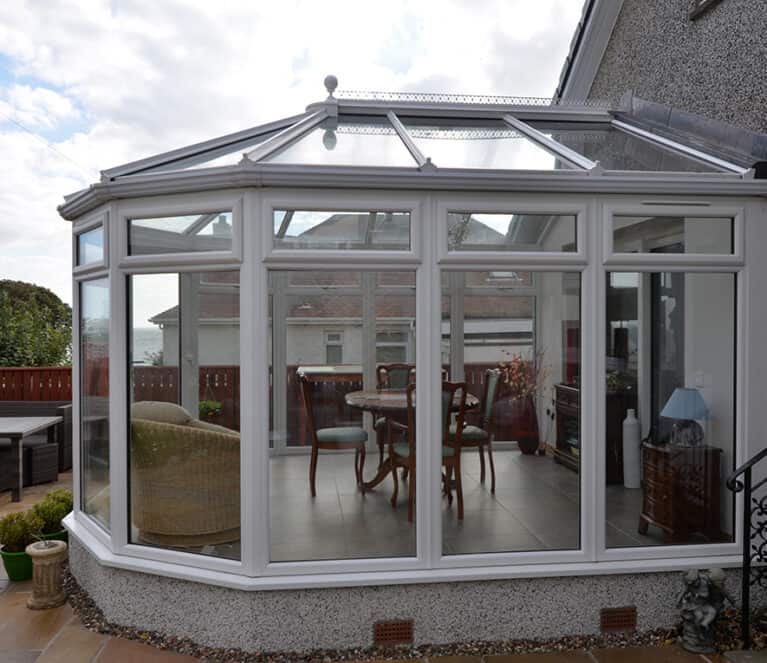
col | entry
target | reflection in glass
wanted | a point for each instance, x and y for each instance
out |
(616, 149)
(670, 359)
(672, 234)
(185, 412)
(90, 246)
(180, 234)
(348, 141)
(472, 231)
(488, 144)
(94, 398)
(334, 333)
(304, 229)
(514, 338)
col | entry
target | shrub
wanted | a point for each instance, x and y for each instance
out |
(18, 530)
(52, 509)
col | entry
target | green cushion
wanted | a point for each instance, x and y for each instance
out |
(342, 434)
(471, 434)
(403, 449)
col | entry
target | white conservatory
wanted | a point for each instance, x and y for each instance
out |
(259, 315)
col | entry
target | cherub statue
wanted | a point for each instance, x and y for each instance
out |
(701, 603)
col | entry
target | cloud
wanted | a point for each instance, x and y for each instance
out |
(123, 79)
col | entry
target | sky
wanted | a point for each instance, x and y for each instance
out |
(86, 85)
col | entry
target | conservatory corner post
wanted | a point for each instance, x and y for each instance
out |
(456, 285)
(279, 282)
(369, 340)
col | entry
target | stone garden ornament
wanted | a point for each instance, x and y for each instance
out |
(701, 603)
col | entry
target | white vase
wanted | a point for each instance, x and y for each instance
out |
(631, 450)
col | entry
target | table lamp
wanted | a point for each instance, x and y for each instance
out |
(686, 405)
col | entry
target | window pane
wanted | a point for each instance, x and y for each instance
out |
(471, 231)
(348, 141)
(304, 229)
(315, 404)
(180, 234)
(618, 150)
(670, 234)
(671, 362)
(94, 398)
(90, 246)
(185, 412)
(487, 144)
(516, 344)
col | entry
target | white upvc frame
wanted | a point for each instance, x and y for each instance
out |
(734, 264)
(683, 208)
(512, 204)
(91, 222)
(180, 205)
(427, 258)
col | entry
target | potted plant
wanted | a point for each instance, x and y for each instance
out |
(51, 510)
(210, 408)
(521, 379)
(17, 531)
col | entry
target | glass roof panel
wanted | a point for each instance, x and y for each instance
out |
(487, 144)
(228, 155)
(619, 150)
(348, 141)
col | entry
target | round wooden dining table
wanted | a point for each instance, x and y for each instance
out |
(390, 402)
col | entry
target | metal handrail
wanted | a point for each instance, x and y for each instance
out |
(737, 484)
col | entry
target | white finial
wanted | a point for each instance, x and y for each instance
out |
(331, 83)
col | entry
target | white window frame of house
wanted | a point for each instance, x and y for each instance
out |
(181, 205)
(428, 259)
(735, 264)
(337, 343)
(99, 219)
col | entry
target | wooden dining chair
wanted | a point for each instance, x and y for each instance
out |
(481, 436)
(390, 376)
(403, 454)
(339, 437)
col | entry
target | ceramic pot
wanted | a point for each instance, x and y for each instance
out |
(18, 565)
(526, 425)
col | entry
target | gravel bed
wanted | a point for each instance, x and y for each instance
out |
(727, 631)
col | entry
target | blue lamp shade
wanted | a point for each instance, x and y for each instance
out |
(685, 403)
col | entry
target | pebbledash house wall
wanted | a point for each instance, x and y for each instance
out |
(713, 65)
(343, 617)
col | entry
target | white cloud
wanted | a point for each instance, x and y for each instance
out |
(142, 77)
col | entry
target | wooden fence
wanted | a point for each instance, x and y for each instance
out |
(222, 384)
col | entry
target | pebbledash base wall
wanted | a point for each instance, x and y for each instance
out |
(301, 620)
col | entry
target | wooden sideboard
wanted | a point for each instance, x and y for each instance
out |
(681, 492)
(568, 445)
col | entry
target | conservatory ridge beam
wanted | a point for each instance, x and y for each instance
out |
(422, 161)
(551, 145)
(198, 148)
(285, 137)
(678, 147)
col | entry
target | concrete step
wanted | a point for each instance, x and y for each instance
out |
(746, 656)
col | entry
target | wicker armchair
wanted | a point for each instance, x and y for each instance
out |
(185, 483)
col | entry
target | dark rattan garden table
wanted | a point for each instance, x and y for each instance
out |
(17, 428)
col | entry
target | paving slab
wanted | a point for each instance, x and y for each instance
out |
(73, 643)
(119, 650)
(22, 629)
(548, 657)
(746, 656)
(673, 654)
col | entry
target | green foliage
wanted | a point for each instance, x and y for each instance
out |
(18, 530)
(35, 326)
(210, 408)
(52, 509)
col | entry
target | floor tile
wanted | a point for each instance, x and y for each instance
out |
(673, 654)
(552, 657)
(118, 650)
(19, 656)
(74, 644)
(24, 629)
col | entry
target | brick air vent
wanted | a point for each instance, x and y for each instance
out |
(613, 620)
(394, 632)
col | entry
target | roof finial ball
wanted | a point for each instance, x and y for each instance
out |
(331, 83)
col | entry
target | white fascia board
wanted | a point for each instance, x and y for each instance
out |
(585, 57)
(198, 148)
(410, 179)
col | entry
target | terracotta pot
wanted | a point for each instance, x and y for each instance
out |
(526, 425)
